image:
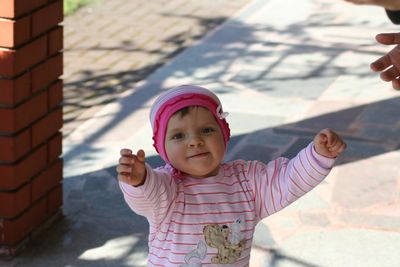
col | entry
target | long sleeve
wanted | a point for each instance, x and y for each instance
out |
(394, 16)
(153, 198)
(282, 181)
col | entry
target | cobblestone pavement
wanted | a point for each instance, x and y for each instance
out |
(111, 45)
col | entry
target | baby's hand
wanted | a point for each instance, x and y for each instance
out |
(329, 144)
(131, 168)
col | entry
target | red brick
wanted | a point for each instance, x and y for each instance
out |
(14, 175)
(55, 39)
(7, 59)
(32, 110)
(16, 8)
(26, 6)
(15, 119)
(15, 62)
(54, 147)
(14, 32)
(47, 72)
(55, 94)
(31, 54)
(47, 17)
(14, 147)
(47, 126)
(14, 91)
(7, 9)
(54, 200)
(13, 203)
(47, 180)
(14, 230)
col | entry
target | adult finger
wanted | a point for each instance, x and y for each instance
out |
(381, 63)
(359, 2)
(388, 38)
(396, 83)
(390, 74)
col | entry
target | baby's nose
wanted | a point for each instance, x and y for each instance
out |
(195, 141)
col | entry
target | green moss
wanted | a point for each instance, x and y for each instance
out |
(71, 6)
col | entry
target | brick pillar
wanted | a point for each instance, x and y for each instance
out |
(31, 64)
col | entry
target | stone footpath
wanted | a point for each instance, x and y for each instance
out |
(112, 45)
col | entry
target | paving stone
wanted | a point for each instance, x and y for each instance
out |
(255, 152)
(381, 113)
(371, 221)
(363, 149)
(357, 185)
(342, 120)
(388, 135)
(332, 248)
(314, 219)
(270, 138)
(104, 20)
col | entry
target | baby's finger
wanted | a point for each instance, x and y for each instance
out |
(335, 140)
(124, 169)
(321, 138)
(335, 145)
(126, 160)
(124, 178)
(339, 148)
(330, 137)
(125, 152)
(140, 155)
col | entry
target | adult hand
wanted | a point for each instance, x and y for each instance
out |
(389, 64)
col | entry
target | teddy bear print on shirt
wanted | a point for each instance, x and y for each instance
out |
(228, 242)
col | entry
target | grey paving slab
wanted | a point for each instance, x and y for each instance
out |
(346, 248)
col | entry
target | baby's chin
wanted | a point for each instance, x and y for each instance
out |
(202, 175)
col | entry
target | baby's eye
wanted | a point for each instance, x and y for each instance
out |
(177, 136)
(207, 130)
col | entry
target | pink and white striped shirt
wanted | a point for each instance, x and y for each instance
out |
(211, 221)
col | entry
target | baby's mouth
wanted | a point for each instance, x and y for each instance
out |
(199, 155)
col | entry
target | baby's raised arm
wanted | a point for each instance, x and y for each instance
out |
(329, 144)
(131, 168)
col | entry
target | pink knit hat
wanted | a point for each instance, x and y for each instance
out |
(177, 98)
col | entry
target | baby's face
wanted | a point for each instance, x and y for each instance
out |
(194, 143)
